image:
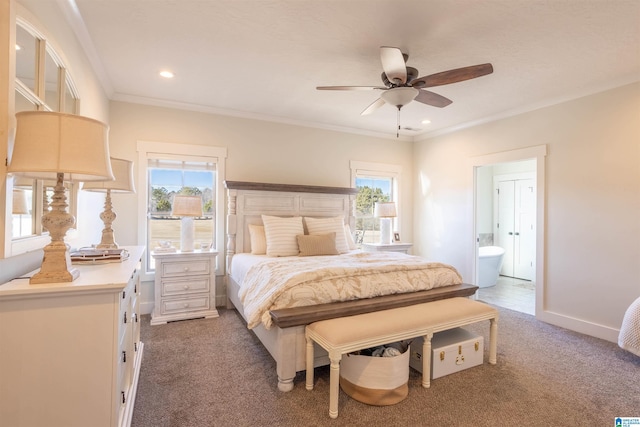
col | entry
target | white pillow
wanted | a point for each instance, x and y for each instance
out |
(350, 242)
(281, 234)
(329, 225)
(258, 239)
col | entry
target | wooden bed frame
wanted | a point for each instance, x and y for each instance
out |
(247, 201)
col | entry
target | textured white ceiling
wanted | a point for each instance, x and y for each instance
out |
(264, 58)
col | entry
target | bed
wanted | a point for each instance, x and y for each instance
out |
(281, 329)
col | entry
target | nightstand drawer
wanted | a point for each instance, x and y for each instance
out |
(185, 305)
(183, 287)
(185, 268)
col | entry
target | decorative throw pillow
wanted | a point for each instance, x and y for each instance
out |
(329, 225)
(258, 239)
(350, 242)
(317, 244)
(281, 234)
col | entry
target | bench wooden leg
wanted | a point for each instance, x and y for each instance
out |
(309, 384)
(426, 361)
(334, 384)
(493, 341)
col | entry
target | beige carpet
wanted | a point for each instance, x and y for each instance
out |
(214, 372)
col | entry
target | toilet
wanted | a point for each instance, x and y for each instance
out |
(489, 265)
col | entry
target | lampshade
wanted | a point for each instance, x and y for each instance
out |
(123, 183)
(20, 205)
(187, 206)
(385, 210)
(399, 96)
(48, 143)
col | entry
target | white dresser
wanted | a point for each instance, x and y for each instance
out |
(70, 353)
(185, 286)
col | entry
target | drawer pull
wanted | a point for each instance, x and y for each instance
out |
(124, 400)
(186, 268)
(124, 294)
(124, 357)
(125, 318)
(186, 287)
(185, 305)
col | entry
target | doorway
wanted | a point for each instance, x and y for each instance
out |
(513, 221)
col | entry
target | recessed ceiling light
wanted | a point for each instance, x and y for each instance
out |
(166, 74)
(18, 47)
(426, 121)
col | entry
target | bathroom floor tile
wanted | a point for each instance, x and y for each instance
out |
(511, 293)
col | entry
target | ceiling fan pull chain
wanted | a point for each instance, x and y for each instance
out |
(398, 121)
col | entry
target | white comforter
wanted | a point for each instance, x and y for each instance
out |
(301, 281)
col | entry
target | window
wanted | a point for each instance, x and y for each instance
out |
(375, 182)
(172, 169)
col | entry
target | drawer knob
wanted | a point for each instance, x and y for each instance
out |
(186, 268)
(186, 305)
(186, 287)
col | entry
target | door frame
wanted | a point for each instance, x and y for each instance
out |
(538, 153)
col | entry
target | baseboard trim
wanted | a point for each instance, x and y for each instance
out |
(580, 325)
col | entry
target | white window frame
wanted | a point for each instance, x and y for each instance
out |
(150, 149)
(381, 170)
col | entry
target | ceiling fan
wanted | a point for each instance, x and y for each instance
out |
(401, 84)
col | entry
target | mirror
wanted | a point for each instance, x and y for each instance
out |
(57, 93)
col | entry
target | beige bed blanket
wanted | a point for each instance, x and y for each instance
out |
(302, 281)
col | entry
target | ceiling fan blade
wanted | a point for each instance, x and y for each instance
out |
(432, 99)
(350, 87)
(453, 76)
(374, 106)
(393, 64)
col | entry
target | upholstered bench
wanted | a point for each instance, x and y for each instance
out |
(347, 334)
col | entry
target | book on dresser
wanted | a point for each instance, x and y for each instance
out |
(70, 353)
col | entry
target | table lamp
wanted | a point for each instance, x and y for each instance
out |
(64, 147)
(123, 172)
(187, 207)
(385, 211)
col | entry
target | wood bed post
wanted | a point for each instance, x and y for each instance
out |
(231, 226)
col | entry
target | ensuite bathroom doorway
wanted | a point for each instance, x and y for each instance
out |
(505, 218)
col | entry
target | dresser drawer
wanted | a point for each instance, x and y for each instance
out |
(185, 305)
(184, 287)
(185, 268)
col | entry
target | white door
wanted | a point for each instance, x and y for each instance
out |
(515, 226)
(524, 251)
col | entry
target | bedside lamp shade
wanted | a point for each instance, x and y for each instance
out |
(20, 206)
(385, 211)
(123, 183)
(187, 207)
(64, 147)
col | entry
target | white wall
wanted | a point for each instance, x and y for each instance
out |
(592, 253)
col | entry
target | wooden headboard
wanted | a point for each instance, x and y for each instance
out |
(247, 201)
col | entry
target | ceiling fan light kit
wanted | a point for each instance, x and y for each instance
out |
(401, 85)
(399, 96)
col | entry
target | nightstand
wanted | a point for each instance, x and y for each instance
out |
(392, 247)
(185, 286)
